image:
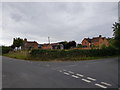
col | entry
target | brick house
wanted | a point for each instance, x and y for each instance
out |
(95, 42)
(29, 44)
(51, 46)
(46, 46)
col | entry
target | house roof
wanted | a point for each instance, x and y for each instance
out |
(94, 39)
(89, 40)
(31, 42)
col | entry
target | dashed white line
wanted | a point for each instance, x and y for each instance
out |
(86, 80)
(71, 72)
(106, 84)
(60, 71)
(100, 85)
(66, 73)
(64, 70)
(91, 78)
(75, 76)
(79, 75)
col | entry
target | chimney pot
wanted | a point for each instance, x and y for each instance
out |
(100, 35)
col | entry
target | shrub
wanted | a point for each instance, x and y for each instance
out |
(54, 54)
(5, 49)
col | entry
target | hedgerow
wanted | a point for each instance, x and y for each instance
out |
(55, 54)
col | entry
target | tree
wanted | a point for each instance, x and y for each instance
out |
(116, 30)
(79, 46)
(64, 43)
(72, 44)
(103, 46)
(5, 49)
(111, 43)
(68, 45)
(17, 42)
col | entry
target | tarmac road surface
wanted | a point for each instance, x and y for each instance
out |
(101, 73)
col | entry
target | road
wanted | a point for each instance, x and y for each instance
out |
(102, 73)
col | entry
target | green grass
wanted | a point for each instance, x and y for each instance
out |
(18, 55)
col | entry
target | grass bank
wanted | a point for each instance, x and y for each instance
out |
(18, 54)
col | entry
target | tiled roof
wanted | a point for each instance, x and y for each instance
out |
(94, 39)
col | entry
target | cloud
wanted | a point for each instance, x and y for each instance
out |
(60, 21)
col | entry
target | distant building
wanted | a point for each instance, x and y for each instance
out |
(29, 44)
(51, 46)
(95, 42)
(46, 46)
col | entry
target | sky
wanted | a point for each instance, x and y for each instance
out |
(61, 21)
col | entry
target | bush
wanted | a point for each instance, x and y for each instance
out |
(69, 54)
(5, 49)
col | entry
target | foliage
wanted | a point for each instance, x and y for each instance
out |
(17, 42)
(24, 54)
(70, 54)
(111, 43)
(68, 45)
(103, 46)
(0, 50)
(5, 49)
(116, 30)
(79, 46)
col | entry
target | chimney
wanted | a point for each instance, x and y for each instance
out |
(25, 40)
(100, 35)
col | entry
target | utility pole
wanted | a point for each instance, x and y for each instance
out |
(49, 40)
(119, 12)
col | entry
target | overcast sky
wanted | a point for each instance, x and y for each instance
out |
(60, 21)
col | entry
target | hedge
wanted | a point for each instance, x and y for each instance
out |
(54, 54)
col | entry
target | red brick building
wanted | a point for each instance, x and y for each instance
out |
(46, 46)
(95, 42)
(29, 44)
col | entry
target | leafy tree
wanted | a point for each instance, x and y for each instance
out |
(72, 44)
(64, 44)
(103, 46)
(68, 45)
(5, 49)
(17, 42)
(116, 30)
(111, 43)
(79, 46)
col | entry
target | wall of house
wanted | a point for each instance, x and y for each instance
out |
(85, 43)
(46, 47)
(103, 42)
(30, 45)
(97, 44)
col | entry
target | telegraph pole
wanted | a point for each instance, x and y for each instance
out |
(119, 12)
(49, 40)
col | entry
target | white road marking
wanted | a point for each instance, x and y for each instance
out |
(79, 75)
(106, 84)
(71, 72)
(100, 85)
(64, 70)
(91, 78)
(66, 73)
(60, 71)
(75, 76)
(86, 80)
